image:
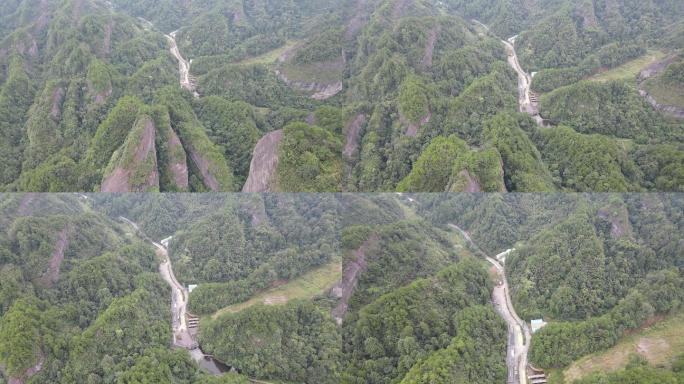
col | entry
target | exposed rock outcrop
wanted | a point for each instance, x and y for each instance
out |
(26, 204)
(467, 183)
(176, 164)
(358, 21)
(353, 133)
(134, 166)
(426, 62)
(413, 128)
(350, 277)
(319, 90)
(256, 210)
(264, 163)
(478, 174)
(57, 101)
(203, 165)
(51, 276)
(27, 374)
(671, 110)
(107, 42)
(618, 217)
(656, 68)
(653, 70)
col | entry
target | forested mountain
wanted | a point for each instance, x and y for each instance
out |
(339, 95)
(79, 300)
(597, 267)
(325, 288)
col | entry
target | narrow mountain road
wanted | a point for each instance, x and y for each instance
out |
(179, 303)
(524, 83)
(186, 80)
(527, 105)
(182, 337)
(179, 297)
(519, 334)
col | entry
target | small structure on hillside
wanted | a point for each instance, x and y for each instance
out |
(537, 324)
(191, 287)
(166, 241)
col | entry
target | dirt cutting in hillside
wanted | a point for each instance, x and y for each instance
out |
(354, 134)
(413, 128)
(57, 101)
(357, 21)
(426, 62)
(27, 374)
(51, 276)
(619, 221)
(350, 277)
(264, 163)
(26, 204)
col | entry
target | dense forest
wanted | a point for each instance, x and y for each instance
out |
(596, 266)
(80, 290)
(80, 300)
(362, 93)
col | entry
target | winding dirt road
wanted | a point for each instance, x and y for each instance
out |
(519, 334)
(182, 336)
(186, 81)
(524, 79)
(179, 302)
(183, 65)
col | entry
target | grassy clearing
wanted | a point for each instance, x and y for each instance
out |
(309, 285)
(409, 213)
(659, 344)
(271, 56)
(324, 72)
(665, 92)
(630, 69)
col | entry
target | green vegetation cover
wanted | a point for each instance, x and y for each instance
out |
(75, 76)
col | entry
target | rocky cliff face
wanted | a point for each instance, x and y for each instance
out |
(134, 166)
(264, 163)
(319, 90)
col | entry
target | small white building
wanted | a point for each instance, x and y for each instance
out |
(537, 324)
(191, 287)
(166, 241)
